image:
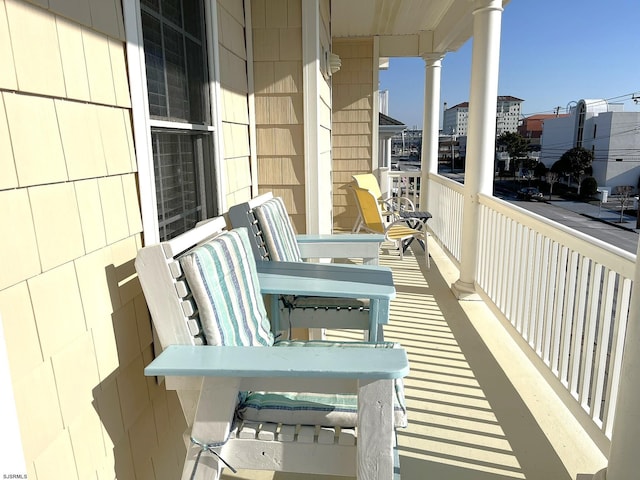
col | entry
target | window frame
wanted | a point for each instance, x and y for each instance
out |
(143, 123)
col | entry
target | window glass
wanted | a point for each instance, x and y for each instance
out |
(179, 163)
(176, 75)
(152, 4)
(171, 10)
(178, 94)
(154, 60)
(175, 59)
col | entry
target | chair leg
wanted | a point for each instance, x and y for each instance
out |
(426, 250)
(358, 225)
(375, 415)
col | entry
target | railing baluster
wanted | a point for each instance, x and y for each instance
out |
(550, 286)
(565, 293)
(590, 330)
(623, 300)
(602, 347)
(569, 317)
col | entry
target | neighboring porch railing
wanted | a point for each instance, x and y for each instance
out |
(444, 200)
(565, 293)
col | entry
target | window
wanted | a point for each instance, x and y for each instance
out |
(582, 111)
(179, 99)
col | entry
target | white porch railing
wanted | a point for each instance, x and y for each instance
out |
(567, 294)
(445, 199)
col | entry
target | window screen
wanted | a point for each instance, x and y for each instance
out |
(178, 94)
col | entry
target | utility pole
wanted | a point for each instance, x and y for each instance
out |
(453, 151)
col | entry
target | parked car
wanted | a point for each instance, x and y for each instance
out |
(530, 193)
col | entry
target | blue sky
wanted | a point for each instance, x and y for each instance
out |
(552, 52)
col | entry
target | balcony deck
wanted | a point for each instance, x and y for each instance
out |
(478, 408)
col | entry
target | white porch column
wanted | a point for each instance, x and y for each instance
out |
(623, 454)
(317, 159)
(487, 18)
(430, 123)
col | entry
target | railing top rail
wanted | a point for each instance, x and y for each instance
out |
(433, 177)
(404, 173)
(447, 182)
(604, 253)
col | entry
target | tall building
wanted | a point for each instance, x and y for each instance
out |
(609, 132)
(508, 111)
(454, 120)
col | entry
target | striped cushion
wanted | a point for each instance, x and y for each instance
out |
(221, 275)
(335, 410)
(279, 237)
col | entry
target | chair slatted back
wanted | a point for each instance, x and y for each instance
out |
(268, 222)
(243, 215)
(369, 209)
(173, 311)
(368, 181)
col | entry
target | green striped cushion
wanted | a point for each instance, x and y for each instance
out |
(336, 410)
(222, 277)
(278, 234)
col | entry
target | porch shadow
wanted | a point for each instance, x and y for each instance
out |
(466, 419)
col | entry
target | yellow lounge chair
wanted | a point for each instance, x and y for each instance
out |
(401, 230)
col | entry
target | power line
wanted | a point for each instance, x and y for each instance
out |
(627, 96)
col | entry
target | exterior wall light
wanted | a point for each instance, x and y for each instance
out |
(334, 63)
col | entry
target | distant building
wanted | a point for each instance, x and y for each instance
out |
(612, 134)
(455, 119)
(530, 127)
(388, 127)
(508, 110)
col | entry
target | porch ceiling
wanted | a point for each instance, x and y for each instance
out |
(406, 27)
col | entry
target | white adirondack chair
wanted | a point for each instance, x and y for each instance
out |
(190, 305)
(272, 236)
(273, 239)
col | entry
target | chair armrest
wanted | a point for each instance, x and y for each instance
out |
(309, 362)
(396, 204)
(365, 246)
(326, 280)
(414, 223)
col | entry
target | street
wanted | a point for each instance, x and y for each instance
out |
(589, 219)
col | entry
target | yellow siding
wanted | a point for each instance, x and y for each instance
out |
(234, 91)
(277, 70)
(77, 328)
(353, 117)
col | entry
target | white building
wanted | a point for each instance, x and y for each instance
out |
(610, 133)
(454, 120)
(508, 112)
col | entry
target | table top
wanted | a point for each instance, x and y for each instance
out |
(420, 215)
(326, 280)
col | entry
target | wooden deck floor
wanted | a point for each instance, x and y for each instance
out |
(477, 409)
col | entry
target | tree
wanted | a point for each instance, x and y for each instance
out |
(552, 177)
(514, 144)
(588, 186)
(540, 170)
(623, 193)
(576, 162)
